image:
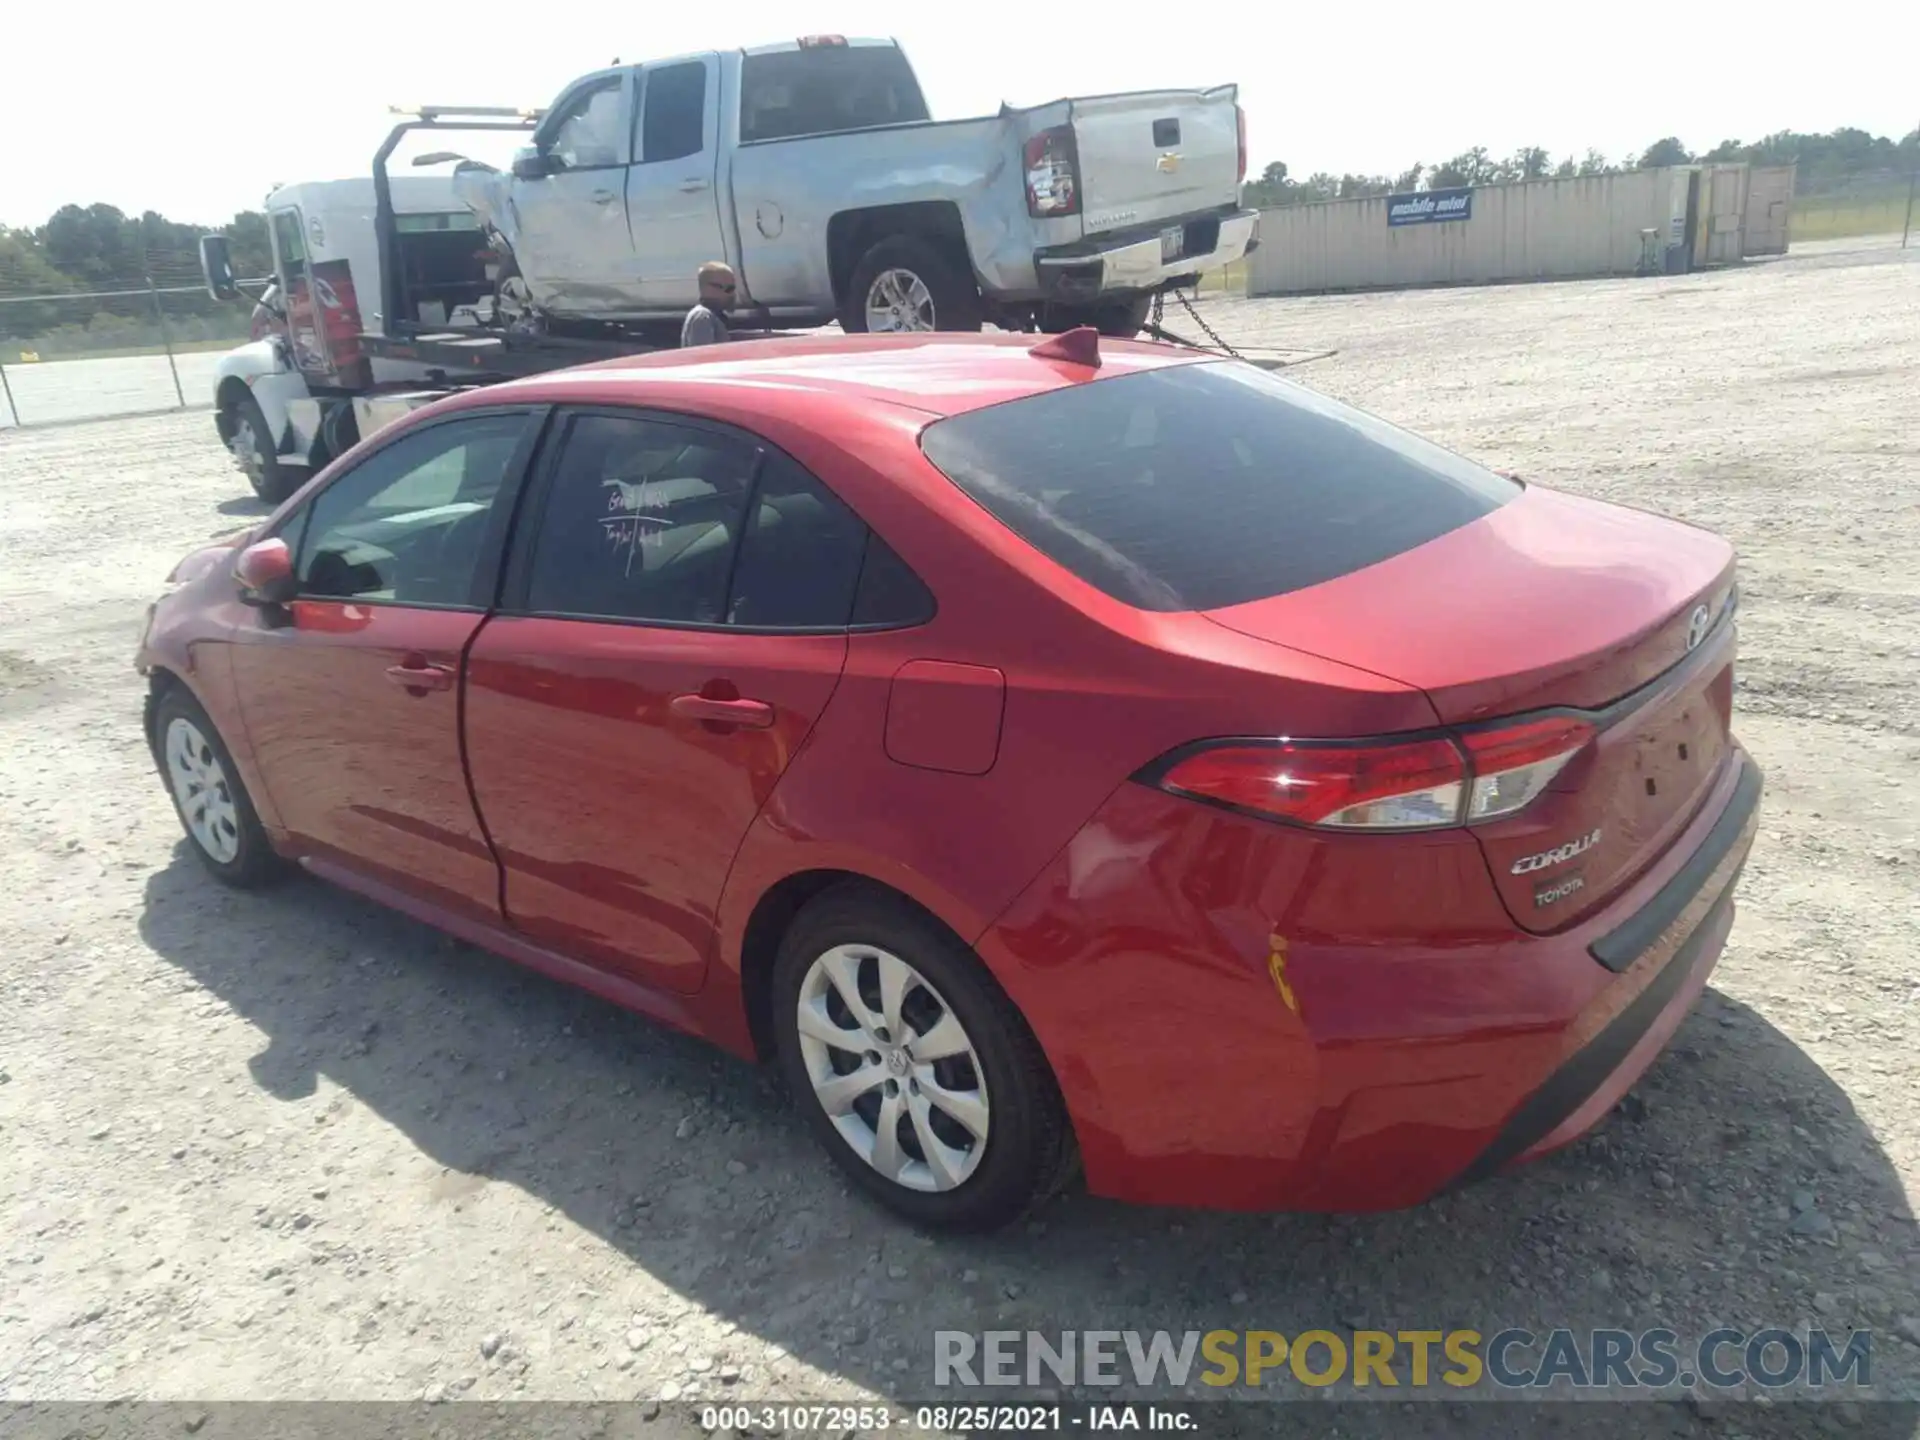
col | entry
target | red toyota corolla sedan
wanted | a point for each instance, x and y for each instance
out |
(1124, 757)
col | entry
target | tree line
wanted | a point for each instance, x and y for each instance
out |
(1826, 163)
(84, 249)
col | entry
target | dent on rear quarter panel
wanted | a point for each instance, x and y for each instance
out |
(1144, 955)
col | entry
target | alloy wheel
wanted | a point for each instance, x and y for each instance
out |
(898, 301)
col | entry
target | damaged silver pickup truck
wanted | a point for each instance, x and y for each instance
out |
(812, 167)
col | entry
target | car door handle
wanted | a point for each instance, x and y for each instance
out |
(693, 183)
(421, 677)
(604, 197)
(754, 714)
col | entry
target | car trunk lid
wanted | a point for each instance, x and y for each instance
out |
(1155, 155)
(1552, 603)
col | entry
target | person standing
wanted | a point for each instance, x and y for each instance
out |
(704, 325)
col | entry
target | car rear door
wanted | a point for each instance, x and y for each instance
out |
(350, 692)
(674, 621)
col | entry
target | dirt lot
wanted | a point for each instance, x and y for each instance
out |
(291, 1146)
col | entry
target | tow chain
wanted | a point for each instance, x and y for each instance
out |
(1156, 323)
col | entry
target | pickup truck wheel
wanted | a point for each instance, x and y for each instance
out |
(1123, 319)
(253, 451)
(905, 283)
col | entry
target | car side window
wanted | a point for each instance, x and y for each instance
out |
(800, 557)
(589, 134)
(640, 521)
(890, 595)
(674, 112)
(407, 525)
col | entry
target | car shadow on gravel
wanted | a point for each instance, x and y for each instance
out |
(1737, 1187)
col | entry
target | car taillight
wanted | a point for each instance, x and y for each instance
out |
(1240, 127)
(1053, 181)
(1420, 784)
(1513, 763)
(1412, 786)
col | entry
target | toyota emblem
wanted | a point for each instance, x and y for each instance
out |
(1697, 626)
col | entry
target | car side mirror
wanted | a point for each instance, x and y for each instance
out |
(532, 164)
(216, 267)
(265, 573)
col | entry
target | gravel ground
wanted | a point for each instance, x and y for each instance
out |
(291, 1146)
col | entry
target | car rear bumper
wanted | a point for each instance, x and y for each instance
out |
(1234, 1024)
(1133, 262)
(1663, 953)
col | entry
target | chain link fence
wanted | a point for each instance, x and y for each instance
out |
(1873, 204)
(127, 344)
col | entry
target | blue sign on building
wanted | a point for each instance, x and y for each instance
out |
(1426, 207)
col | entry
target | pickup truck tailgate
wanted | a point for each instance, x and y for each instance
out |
(1156, 155)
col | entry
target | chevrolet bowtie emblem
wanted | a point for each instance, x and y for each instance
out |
(1167, 163)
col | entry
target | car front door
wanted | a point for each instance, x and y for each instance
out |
(672, 626)
(672, 201)
(350, 692)
(573, 246)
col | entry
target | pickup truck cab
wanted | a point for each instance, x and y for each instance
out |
(814, 169)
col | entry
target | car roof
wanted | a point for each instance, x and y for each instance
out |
(937, 375)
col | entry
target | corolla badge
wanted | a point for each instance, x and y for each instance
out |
(1559, 855)
(1698, 624)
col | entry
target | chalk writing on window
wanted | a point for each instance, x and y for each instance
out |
(632, 524)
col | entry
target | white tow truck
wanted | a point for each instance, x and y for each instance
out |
(282, 401)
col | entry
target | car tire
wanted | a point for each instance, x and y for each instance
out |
(967, 1180)
(253, 448)
(216, 812)
(339, 430)
(923, 278)
(1123, 319)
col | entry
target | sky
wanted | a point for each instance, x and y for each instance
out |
(199, 117)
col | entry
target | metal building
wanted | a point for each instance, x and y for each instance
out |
(1636, 222)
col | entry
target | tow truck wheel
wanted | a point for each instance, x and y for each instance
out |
(253, 452)
(905, 284)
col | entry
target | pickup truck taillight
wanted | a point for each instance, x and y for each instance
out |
(1052, 169)
(1240, 127)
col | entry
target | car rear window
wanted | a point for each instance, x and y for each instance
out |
(1197, 486)
(825, 89)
